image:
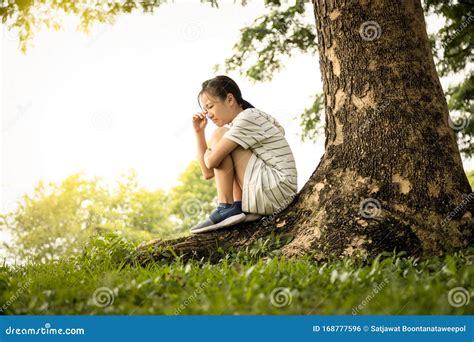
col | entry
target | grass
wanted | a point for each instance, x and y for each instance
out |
(253, 281)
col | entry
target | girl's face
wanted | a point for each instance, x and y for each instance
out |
(220, 112)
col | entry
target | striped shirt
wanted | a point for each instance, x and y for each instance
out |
(270, 181)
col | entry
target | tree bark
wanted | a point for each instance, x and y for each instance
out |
(391, 176)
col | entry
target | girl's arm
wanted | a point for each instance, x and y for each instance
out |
(222, 149)
(201, 150)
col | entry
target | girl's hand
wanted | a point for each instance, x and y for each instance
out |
(199, 122)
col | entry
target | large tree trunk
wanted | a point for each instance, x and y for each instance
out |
(391, 176)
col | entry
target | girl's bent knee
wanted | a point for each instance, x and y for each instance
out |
(217, 135)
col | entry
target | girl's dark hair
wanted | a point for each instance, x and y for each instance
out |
(222, 85)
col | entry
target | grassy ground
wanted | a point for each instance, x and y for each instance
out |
(254, 281)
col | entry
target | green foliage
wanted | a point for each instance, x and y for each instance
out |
(461, 104)
(281, 32)
(29, 17)
(453, 48)
(58, 218)
(272, 36)
(194, 198)
(310, 120)
(140, 209)
(240, 283)
(108, 251)
(454, 44)
(470, 177)
(460, 96)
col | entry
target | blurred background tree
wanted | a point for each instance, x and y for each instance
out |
(275, 36)
(452, 48)
(470, 176)
(194, 198)
(58, 218)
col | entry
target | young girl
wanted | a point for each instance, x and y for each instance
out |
(251, 160)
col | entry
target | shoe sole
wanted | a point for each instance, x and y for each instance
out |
(224, 223)
(252, 217)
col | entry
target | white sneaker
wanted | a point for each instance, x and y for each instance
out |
(252, 217)
(207, 225)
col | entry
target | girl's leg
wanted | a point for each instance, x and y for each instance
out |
(227, 189)
(230, 173)
(241, 157)
(224, 175)
(237, 191)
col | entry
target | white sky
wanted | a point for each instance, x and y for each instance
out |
(124, 97)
